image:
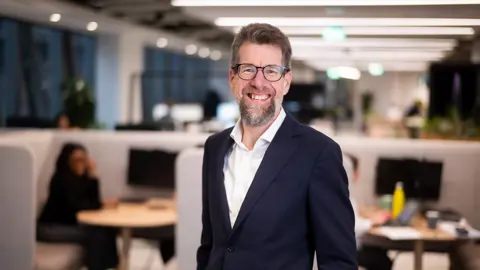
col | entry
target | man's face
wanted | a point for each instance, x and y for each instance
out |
(259, 99)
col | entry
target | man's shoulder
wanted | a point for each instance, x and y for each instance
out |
(218, 137)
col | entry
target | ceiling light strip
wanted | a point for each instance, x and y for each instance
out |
(316, 21)
(270, 3)
(379, 31)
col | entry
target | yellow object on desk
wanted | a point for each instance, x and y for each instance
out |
(398, 201)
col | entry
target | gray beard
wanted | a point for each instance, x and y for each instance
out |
(252, 119)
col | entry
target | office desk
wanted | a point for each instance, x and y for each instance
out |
(419, 224)
(127, 216)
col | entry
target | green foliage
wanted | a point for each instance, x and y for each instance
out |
(453, 126)
(367, 103)
(78, 103)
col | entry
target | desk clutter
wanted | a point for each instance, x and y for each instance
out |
(400, 233)
(411, 220)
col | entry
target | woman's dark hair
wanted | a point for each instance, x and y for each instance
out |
(62, 165)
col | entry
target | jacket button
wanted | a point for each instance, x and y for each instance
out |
(230, 249)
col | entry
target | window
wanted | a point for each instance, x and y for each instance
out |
(36, 73)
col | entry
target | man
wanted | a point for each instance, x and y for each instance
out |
(369, 257)
(274, 191)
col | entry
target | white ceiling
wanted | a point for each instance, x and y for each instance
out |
(375, 34)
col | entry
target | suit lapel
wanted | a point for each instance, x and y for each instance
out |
(220, 180)
(276, 157)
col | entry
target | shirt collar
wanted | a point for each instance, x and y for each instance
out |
(267, 136)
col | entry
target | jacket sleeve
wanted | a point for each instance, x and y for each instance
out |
(206, 241)
(331, 214)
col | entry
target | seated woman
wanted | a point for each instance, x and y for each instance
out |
(75, 187)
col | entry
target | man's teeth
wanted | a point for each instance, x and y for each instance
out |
(259, 97)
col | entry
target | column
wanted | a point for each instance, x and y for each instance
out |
(118, 82)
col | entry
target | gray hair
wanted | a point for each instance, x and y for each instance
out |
(262, 34)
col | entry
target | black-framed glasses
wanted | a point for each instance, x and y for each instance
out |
(271, 73)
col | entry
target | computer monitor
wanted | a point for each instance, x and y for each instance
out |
(151, 168)
(421, 179)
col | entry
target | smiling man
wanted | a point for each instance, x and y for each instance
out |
(274, 191)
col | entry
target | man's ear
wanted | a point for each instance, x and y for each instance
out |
(231, 77)
(287, 82)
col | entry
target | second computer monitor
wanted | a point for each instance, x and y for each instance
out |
(421, 179)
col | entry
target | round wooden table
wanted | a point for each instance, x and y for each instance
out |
(127, 216)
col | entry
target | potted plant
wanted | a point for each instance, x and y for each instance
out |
(78, 103)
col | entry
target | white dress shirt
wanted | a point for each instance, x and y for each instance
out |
(242, 164)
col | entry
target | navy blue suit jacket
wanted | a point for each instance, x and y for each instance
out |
(297, 204)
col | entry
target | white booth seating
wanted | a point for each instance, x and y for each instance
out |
(17, 196)
(19, 166)
(461, 176)
(110, 152)
(189, 206)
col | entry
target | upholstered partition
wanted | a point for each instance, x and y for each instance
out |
(460, 177)
(17, 193)
(110, 153)
(108, 149)
(189, 205)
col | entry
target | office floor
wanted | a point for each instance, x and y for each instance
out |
(145, 256)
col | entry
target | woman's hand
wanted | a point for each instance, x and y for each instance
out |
(92, 169)
(112, 203)
(379, 217)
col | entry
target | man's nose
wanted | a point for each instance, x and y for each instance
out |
(259, 80)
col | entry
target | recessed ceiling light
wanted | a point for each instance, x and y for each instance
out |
(204, 52)
(190, 49)
(215, 55)
(92, 26)
(316, 21)
(55, 17)
(265, 3)
(162, 42)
